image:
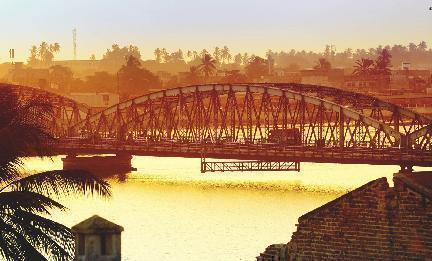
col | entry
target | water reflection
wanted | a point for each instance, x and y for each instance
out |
(170, 211)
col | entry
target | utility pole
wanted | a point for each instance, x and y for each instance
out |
(74, 44)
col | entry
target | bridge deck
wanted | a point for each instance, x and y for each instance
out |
(265, 152)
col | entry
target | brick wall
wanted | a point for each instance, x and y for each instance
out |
(373, 222)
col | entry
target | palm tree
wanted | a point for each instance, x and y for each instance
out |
(225, 54)
(25, 234)
(363, 67)
(245, 58)
(158, 55)
(383, 63)
(189, 54)
(203, 53)
(195, 54)
(165, 54)
(208, 65)
(54, 48)
(217, 54)
(33, 59)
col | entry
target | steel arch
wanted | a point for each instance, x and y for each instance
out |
(239, 113)
(401, 119)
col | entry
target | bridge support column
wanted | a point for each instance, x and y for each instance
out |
(100, 165)
(406, 168)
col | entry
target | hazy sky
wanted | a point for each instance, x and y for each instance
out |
(244, 25)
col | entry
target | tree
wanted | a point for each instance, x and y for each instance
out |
(383, 63)
(100, 82)
(422, 46)
(33, 58)
(225, 54)
(256, 68)
(203, 53)
(26, 201)
(44, 54)
(165, 55)
(135, 80)
(208, 65)
(61, 77)
(189, 54)
(234, 76)
(158, 55)
(193, 76)
(217, 54)
(363, 67)
(238, 59)
(245, 58)
(114, 58)
(323, 65)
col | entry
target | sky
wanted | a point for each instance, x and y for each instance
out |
(252, 26)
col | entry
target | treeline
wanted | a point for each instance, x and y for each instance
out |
(419, 55)
(122, 69)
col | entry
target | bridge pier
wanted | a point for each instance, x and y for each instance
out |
(406, 168)
(100, 165)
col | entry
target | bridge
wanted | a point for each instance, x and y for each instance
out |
(266, 122)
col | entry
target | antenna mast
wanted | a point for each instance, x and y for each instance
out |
(74, 43)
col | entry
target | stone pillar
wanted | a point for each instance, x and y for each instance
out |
(99, 164)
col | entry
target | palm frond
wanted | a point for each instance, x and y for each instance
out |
(23, 132)
(63, 182)
(14, 246)
(27, 201)
(53, 239)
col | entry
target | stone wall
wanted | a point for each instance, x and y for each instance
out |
(373, 222)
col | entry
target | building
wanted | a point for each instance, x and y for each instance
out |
(80, 68)
(97, 239)
(366, 83)
(34, 77)
(96, 99)
(332, 77)
(415, 80)
(373, 222)
(419, 102)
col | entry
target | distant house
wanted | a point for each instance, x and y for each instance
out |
(28, 76)
(284, 75)
(80, 68)
(164, 76)
(370, 83)
(406, 79)
(332, 77)
(419, 102)
(96, 99)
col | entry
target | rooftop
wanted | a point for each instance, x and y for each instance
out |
(96, 224)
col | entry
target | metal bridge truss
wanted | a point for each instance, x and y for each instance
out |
(240, 114)
(239, 119)
(66, 112)
(255, 165)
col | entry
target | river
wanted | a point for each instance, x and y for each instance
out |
(171, 211)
